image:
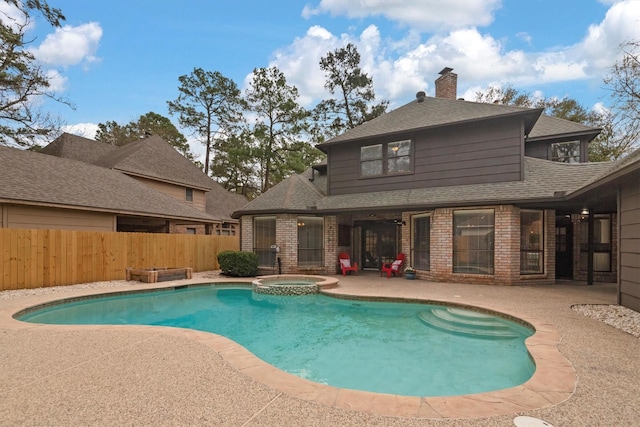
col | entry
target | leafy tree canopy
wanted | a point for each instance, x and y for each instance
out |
(147, 125)
(280, 129)
(353, 101)
(623, 119)
(606, 146)
(209, 104)
(22, 81)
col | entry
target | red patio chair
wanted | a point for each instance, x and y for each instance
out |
(394, 268)
(345, 264)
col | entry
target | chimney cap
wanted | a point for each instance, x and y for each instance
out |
(420, 96)
(445, 70)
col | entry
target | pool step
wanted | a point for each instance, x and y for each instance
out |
(466, 322)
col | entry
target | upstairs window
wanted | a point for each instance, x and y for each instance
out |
(189, 195)
(371, 160)
(382, 159)
(399, 157)
(566, 152)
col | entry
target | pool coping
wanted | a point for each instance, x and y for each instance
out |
(553, 381)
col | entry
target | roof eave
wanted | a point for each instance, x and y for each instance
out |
(22, 202)
(156, 178)
(592, 133)
(273, 211)
(535, 113)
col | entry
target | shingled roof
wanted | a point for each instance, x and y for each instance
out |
(295, 194)
(28, 177)
(221, 203)
(75, 147)
(435, 112)
(544, 181)
(150, 157)
(554, 126)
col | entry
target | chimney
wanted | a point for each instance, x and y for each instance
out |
(447, 84)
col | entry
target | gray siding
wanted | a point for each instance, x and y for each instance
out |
(542, 149)
(473, 153)
(630, 243)
(537, 149)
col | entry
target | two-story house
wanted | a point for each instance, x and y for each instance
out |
(145, 186)
(470, 192)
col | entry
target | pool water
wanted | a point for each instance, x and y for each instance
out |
(384, 347)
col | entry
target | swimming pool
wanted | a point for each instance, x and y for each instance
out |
(385, 347)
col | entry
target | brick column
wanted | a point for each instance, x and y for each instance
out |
(550, 245)
(441, 244)
(246, 233)
(287, 239)
(507, 245)
(330, 244)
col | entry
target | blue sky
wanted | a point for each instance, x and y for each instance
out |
(117, 60)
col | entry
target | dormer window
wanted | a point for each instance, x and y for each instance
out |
(566, 152)
(189, 195)
(385, 159)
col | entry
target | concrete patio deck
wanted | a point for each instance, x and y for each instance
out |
(133, 375)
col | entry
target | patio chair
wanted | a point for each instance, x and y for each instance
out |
(394, 267)
(345, 264)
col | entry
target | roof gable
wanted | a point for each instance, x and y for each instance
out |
(295, 194)
(33, 178)
(155, 158)
(433, 112)
(150, 157)
(547, 126)
(75, 147)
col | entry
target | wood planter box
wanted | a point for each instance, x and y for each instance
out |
(153, 275)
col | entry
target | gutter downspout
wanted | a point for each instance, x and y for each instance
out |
(619, 253)
(590, 248)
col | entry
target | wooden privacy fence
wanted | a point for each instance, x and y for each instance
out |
(42, 258)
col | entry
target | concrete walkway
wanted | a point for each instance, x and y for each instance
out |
(130, 375)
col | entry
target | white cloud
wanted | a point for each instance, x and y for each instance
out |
(57, 82)
(70, 45)
(601, 45)
(428, 15)
(300, 62)
(11, 16)
(402, 67)
(86, 130)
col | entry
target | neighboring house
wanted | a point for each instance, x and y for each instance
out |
(470, 192)
(144, 186)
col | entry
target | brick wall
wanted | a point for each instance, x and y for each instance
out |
(182, 229)
(287, 240)
(506, 246)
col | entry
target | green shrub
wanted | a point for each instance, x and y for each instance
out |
(238, 263)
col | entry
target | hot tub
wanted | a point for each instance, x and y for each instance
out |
(292, 284)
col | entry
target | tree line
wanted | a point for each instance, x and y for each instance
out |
(255, 139)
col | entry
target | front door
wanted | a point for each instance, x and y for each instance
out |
(379, 244)
(564, 248)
